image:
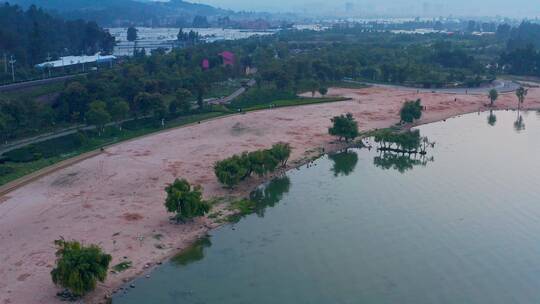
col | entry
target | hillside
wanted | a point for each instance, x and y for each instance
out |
(128, 12)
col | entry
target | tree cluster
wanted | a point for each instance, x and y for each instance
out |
(233, 170)
(404, 141)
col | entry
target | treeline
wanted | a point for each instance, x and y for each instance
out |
(233, 170)
(32, 35)
(522, 54)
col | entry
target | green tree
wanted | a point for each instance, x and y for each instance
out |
(98, 115)
(185, 200)
(323, 91)
(281, 152)
(150, 104)
(411, 111)
(78, 267)
(232, 170)
(119, 111)
(181, 102)
(313, 86)
(521, 93)
(76, 97)
(344, 127)
(493, 95)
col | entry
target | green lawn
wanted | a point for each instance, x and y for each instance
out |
(294, 102)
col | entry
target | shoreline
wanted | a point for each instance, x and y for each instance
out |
(98, 196)
(336, 147)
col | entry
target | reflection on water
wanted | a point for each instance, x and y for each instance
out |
(192, 254)
(464, 229)
(492, 118)
(344, 162)
(519, 124)
(269, 195)
(399, 162)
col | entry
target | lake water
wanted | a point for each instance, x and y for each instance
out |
(460, 225)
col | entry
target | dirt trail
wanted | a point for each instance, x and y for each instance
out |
(115, 198)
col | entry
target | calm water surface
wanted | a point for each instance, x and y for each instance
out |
(461, 225)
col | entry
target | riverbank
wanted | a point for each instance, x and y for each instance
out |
(115, 199)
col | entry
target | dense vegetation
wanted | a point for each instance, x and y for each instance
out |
(79, 267)
(127, 12)
(32, 35)
(185, 200)
(146, 93)
(233, 170)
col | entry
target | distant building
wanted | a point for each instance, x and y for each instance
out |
(228, 58)
(76, 60)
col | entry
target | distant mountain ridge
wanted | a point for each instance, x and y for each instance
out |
(128, 12)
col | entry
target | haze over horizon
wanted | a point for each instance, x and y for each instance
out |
(402, 8)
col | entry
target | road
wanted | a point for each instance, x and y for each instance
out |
(502, 86)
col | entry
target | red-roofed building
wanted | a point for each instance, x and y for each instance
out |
(228, 58)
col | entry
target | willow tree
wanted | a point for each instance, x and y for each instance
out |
(344, 127)
(78, 267)
(185, 200)
(232, 170)
(281, 152)
(411, 111)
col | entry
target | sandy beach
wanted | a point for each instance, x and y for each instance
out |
(115, 199)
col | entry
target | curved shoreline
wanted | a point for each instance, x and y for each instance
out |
(95, 197)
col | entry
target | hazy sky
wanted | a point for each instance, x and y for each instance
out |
(513, 8)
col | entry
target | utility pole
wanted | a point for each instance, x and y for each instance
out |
(12, 62)
(5, 63)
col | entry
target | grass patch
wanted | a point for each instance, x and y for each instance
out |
(122, 266)
(243, 206)
(347, 85)
(300, 101)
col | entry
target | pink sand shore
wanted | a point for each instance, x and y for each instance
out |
(116, 198)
